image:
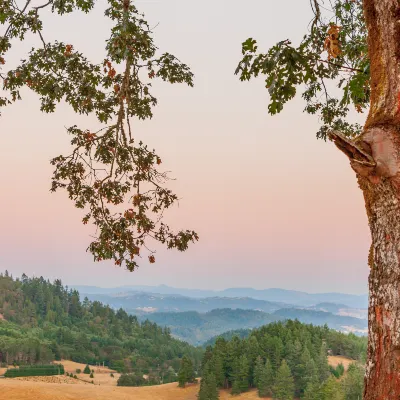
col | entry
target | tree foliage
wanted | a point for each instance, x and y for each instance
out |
(333, 53)
(283, 388)
(208, 385)
(299, 366)
(266, 380)
(186, 372)
(113, 177)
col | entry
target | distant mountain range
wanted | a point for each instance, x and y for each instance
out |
(272, 295)
(142, 303)
(196, 328)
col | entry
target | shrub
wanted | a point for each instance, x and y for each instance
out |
(112, 375)
(86, 370)
(35, 370)
(78, 371)
(131, 380)
(91, 375)
(75, 377)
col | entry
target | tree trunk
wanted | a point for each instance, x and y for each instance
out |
(375, 157)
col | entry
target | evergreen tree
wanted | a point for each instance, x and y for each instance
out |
(241, 382)
(208, 385)
(266, 380)
(186, 372)
(233, 352)
(87, 370)
(206, 357)
(283, 388)
(312, 391)
(218, 370)
(258, 370)
(353, 382)
(322, 364)
(307, 371)
(252, 352)
(331, 390)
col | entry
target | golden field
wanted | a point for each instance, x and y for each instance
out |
(104, 387)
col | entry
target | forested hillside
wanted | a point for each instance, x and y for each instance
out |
(285, 360)
(42, 321)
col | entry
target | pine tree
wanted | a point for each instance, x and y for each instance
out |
(322, 364)
(331, 390)
(258, 370)
(307, 371)
(206, 357)
(312, 391)
(353, 382)
(252, 353)
(241, 382)
(208, 386)
(233, 352)
(218, 370)
(283, 388)
(266, 380)
(186, 372)
(87, 370)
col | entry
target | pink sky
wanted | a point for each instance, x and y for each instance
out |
(274, 207)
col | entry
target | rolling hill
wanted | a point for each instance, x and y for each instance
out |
(196, 328)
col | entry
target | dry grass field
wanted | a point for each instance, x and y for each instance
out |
(336, 360)
(13, 389)
(65, 388)
(71, 366)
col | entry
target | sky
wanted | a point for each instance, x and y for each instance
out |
(273, 206)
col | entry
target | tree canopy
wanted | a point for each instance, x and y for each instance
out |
(333, 53)
(114, 178)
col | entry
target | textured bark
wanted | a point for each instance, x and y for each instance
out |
(381, 187)
(375, 157)
(382, 19)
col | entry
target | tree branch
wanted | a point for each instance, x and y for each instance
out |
(353, 150)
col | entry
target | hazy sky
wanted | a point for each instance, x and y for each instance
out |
(274, 206)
